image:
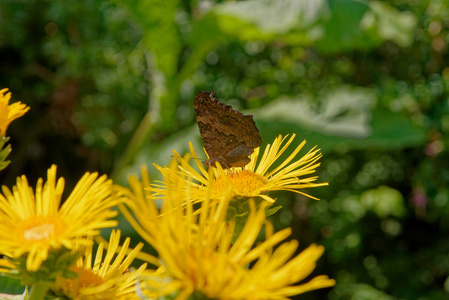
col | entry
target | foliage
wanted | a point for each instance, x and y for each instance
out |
(111, 86)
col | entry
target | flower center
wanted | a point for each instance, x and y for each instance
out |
(73, 288)
(40, 232)
(246, 182)
(88, 278)
(41, 228)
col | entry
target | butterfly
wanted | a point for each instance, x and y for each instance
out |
(229, 136)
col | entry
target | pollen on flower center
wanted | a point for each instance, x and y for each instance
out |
(246, 182)
(41, 228)
(40, 232)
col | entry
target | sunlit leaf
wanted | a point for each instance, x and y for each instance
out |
(269, 17)
(345, 119)
(391, 24)
(332, 25)
(344, 112)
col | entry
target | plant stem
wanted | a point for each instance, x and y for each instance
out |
(38, 291)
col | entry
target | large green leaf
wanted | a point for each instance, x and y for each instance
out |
(342, 112)
(332, 25)
(265, 20)
(344, 120)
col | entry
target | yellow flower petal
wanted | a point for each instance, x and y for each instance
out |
(9, 113)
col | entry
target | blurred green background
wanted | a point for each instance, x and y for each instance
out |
(111, 86)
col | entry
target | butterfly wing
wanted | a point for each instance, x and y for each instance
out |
(228, 135)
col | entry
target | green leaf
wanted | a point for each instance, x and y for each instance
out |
(342, 28)
(10, 286)
(364, 24)
(266, 20)
(261, 20)
(274, 16)
(391, 24)
(392, 130)
(332, 25)
(5, 152)
(344, 120)
(3, 141)
(344, 112)
(272, 210)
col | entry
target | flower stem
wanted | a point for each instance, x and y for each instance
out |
(38, 291)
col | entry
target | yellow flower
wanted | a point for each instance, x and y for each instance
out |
(34, 224)
(106, 278)
(200, 254)
(255, 179)
(9, 113)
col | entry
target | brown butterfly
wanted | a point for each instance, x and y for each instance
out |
(228, 135)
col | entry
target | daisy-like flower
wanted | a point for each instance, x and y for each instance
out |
(35, 224)
(200, 254)
(9, 113)
(255, 179)
(107, 278)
